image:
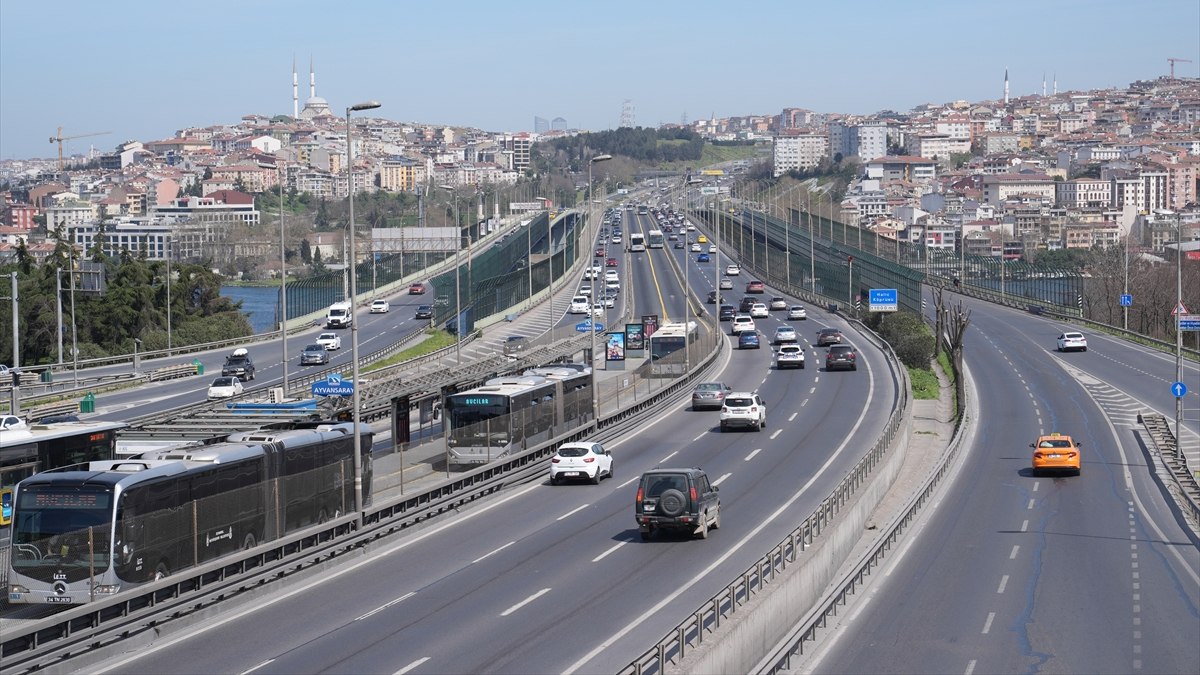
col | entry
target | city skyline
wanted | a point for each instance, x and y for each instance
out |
(497, 67)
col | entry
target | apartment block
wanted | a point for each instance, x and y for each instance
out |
(799, 152)
(1083, 193)
(1003, 187)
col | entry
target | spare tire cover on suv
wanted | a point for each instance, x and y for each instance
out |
(672, 503)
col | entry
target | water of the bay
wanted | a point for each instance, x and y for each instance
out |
(259, 303)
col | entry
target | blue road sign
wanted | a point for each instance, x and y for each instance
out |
(583, 326)
(333, 385)
(1178, 389)
(1126, 300)
(883, 300)
(1189, 322)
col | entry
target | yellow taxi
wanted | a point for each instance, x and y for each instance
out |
(1056, 452)
(701, 239)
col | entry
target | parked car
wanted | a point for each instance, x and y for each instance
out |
(225, 386)
(330, 341)
(416, 289)
(380, 307)
(708, 395)
(841, 356)
(581, 461)
(313, 355)
(676, 499)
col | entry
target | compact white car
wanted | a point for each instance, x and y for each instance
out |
(789, 356)
(758, 310)
(1072, 341)
(611, 275)
(589, 461)
(784, 334)
(797, 313)
(381, 307)
(741, 323)
(733, 270)
(712, 249)
(597, 309)
(579, 305)
(330, 341)
(743, 409)
(226, 386)
(726, 284)
(585, 289)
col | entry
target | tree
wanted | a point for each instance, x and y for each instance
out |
(322, 220)
(306, 253)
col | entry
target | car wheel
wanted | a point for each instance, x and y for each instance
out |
(716, 523)
(596, 478)
(645, 534)
(1084, 349)
(704, 527)
(553, 479)
(672, 503)
(612, 467)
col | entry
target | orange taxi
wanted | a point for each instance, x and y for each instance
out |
(1056, 452)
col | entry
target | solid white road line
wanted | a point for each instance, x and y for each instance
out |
(524, 602)
(268, 661)
(668, 457)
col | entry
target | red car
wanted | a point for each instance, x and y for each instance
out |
(600, 252)
(416, 289)
(611, 262)
(756, 287)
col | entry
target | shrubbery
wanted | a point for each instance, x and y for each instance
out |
(908, 335)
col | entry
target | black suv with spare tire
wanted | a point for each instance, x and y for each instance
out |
(677, 499)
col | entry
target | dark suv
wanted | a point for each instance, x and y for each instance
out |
(677, 499)
(828, 336)
(841, 356)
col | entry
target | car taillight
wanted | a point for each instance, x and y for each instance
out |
(554, 461)
(851, 355)
(589, 460)
(753, 408)
(693, 492)
(639, 495)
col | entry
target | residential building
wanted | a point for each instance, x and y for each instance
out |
(1002, 187)
(799, 152)
(1083, 193)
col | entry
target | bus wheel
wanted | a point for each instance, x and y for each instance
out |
(161, 571)
(249, 542)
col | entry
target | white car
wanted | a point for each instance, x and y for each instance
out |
(789, 356)
(579, 305)
(743, 409)
(330, 341)
(612, 285)
(597, 309)
(784, 333)
(592, 272)
(589, 461)
(741, 323)
(797, 313)
(381, 307)
(585, 289)
(610, 300)
(611, 275)
(758, 311)
(226, 386)
(726, 284)
(1072, 341)
(696, 248)
(712, 249)
(732, 270)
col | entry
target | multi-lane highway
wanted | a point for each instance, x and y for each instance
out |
(1017, 573)
(546, 578)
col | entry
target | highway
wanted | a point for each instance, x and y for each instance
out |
(1012, 573)
(543, 578)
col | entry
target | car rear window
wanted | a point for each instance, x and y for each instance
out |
(572, 452)
(738, 402)
(660, 484)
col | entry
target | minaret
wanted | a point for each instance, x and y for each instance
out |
(312, 80)
(1006, 86)
(295, 91)
(1056, 84)
(1043, 85)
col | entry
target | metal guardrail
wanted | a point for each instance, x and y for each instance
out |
(756, 578)
(1166, 448)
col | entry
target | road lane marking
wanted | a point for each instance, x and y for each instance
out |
(812, 390)
(268, 661)
(524, 602)
(1013, 555)
(668, 457)
(752, 454)
(792, 416)
(776, 434)
(1024, 525)
(1036, 486)
(492, 553)
(411, 666)
(970, 667)
(721, 479)
(572, 512)
(987, 625)
(1003, 583)
(804, 403)
(614, 547)
(1029, 505)
(386, 605)
(699, 437)
(631, 480)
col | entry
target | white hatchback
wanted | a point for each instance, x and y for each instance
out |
(579, 305)
(732, 270)
(581, 461)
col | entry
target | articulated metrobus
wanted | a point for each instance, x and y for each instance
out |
(637, 242)
(654, 239)
(92, 530)
(508, 414)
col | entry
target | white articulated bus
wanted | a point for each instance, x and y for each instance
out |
(637, 242)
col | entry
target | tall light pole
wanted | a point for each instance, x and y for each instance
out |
(283, 284)
(591, 312)
(457, 275)
(168, 252)
(1178, 325)
(356, 397)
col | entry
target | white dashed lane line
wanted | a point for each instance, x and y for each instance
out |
(721, 479)
(524, 602)
(752, 454)
(668, 457)
(572, 512)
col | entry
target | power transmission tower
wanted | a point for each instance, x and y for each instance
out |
(627, 116)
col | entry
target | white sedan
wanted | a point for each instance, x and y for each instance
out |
(1072, 341)
(226, 386)
(732, 270)
(330, 341)
(381, 307)
(758, 310)
(581, 461)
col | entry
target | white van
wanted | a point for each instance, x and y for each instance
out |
(340, 315)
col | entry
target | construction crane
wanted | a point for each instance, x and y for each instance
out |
(1173, 61)
(59, 138)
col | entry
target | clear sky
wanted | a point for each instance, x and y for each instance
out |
(143, 69)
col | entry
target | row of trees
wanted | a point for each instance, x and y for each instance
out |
(134, 305)
(640, 143)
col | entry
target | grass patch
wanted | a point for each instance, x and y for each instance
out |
(435, 340)
(924, 383)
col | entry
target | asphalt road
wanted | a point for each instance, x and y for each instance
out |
(1016, 573)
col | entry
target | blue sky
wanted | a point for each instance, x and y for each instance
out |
(143, 69)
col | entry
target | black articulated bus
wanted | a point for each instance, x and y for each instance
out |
(92, 530)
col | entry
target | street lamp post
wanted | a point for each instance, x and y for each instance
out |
(457, 275)
(283, 313)
(168, 252)
(356, 397)
(591, 313)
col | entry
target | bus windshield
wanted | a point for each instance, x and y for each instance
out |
(472, 418)
(52, 527)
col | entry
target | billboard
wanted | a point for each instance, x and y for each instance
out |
(614, 347)
(634, 337)
(649, 324)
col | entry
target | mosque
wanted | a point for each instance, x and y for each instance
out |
(314, 106)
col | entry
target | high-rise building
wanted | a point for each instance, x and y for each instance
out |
(558, 124)
(540, 125)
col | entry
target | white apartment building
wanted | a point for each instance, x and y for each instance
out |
(937, 146)
(799, 152)
(1083, 193)
(69, 212)
(1000, 188)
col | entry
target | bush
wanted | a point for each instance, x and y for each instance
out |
(911, 339)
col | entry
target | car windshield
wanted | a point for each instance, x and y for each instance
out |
(223, 382)
(314, 348)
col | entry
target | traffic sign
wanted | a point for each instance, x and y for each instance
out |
(333, 385)
(883, 300)
(1179, 310)
(1189, 322)
(1178, 389)
(1126, 300)
(583, 326)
